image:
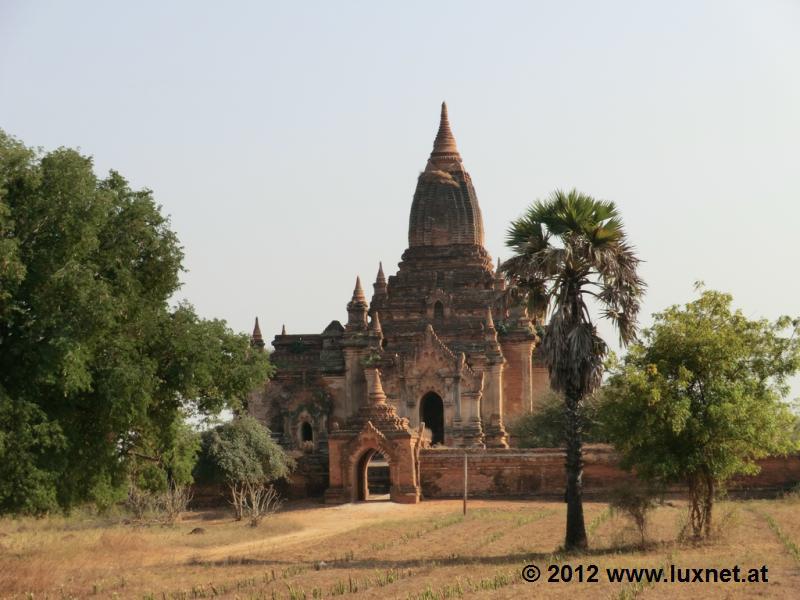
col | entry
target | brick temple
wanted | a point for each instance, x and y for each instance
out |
(435, 359)
(432, 368)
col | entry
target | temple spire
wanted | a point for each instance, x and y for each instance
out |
(379, 286)
(358, 292)
(444, 146)
(381, 278)
(283, 329)
(375, 324)
(499, 277)
(357, 309)
(257, 340)
(489, 319)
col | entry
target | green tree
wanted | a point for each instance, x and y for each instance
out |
(96, 368)
(699, 400)
(567, 249)
(241, 454)
(544, 426)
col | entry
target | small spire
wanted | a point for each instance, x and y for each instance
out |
(358, 292)
(357, 309)
(257, 339)
(375, 392)
(499, 277)
(375, 324)
(444, 146)
(379, 287)
(283, 329)
(489, 320)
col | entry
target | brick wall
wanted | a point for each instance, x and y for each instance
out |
(512, 382)
(539, 472)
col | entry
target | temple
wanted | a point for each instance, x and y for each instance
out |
(435, 359)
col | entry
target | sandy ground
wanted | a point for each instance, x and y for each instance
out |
(325, 523)
(385, 550)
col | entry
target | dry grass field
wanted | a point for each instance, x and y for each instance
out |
(384, 550)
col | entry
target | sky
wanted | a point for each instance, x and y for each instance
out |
(284, 139)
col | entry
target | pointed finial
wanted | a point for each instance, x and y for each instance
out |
(375, 392)
(381, 278)
(283, 329)
(375, 324)
(257, 339)
(499, 277)
(358, 292)
(444, 146)
(489, 319)
(357, 309)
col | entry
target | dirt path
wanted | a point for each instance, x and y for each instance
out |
(319, 523)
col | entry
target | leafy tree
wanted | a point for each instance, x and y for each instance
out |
(566, 249)
(544, 427)
(157, 465)
(96, 368)
(242, 455)
(699, 400)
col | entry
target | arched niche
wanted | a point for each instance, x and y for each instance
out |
(431, 412)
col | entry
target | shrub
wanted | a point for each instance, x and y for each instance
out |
(635, 501)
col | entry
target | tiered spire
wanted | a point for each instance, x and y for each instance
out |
(499, 278)
(380, 282)
(257, 340)
(444, 146)
(445, 208)
(490, 336)
(375, 392)
(357, 309)
(375, 325)
(358, 292)
(283, 329)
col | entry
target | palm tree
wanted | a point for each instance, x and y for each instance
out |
(567, 250)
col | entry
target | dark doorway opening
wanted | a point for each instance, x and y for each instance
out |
(373, 477)
(306, 432)
(438, 313)
(431, 412)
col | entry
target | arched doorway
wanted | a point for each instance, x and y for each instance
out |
(431, 412)
(373, 477)
(306, 432)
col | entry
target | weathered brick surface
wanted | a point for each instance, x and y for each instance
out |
(539, 472)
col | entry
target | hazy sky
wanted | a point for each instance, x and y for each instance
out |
(285, 139)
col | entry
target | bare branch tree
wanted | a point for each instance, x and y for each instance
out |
(174, 501)
(237, 500)
(260, 501)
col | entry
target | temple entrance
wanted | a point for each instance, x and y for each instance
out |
(306, 432)
(431, 412)
(373, 477)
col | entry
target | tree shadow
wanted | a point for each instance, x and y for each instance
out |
(439, 561)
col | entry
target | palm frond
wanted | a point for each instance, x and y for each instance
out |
(568, 246)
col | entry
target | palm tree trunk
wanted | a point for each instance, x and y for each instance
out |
(576, 528)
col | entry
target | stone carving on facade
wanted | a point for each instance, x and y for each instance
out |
(376, 428)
